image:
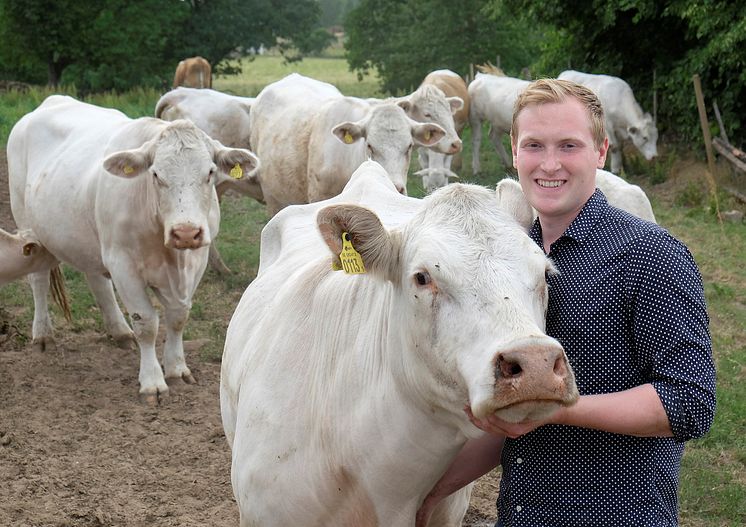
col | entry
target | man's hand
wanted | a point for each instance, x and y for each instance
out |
(496, 426)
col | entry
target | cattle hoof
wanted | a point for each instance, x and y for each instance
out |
(43, 344)
(188, 378)
(154, 399)
(126, 341)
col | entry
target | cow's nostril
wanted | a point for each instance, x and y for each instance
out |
(508, 368)
(559, 367)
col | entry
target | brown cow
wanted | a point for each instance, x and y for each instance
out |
(194, 72)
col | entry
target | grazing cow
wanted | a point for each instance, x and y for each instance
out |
(624, 116)
(311, 139)
(126, 201)
(342, 395)
(194, 72)
(225, 118)
(492, 100)
(436, 166)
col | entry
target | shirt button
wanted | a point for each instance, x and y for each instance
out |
(519, 461)
(518, 508)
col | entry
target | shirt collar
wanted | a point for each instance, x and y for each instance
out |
(581, 226)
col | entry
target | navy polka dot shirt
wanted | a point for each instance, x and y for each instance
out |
(629, 309)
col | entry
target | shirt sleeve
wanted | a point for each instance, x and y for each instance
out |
(670, 330)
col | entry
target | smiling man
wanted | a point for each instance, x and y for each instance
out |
(628, 307)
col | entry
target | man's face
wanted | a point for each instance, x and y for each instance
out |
(556, 158)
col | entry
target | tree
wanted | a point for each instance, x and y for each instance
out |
(116, 44)
(634, 38)
(404, 41)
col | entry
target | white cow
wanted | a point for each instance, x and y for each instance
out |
(126, 201)
(21, 254)
(342, 395)
(311, 139)
(223, 117)
(624, 195)
(492, 99)
(624, 116)
(436, 165)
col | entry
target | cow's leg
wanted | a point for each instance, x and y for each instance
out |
(451, 511)
(476, 143)
(144, 319)
(423, 158)
(215, 260)
(42, 330)
(496, 138)
(174, 363)
(114, 321)
(616, 159)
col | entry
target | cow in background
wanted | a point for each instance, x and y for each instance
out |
(311, 139)
(223, 117)
(131, 204)
(625, 119)
(436, 166)
(342, 395)
(21, 254)
(194, 72)
(493, 96)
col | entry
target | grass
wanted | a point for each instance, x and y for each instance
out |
(713, 480)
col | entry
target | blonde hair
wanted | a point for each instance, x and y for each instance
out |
(546, 91)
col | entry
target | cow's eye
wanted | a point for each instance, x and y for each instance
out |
(211, 175)
(422, 278)
(370, 151)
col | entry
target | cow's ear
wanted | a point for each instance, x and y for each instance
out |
(236, 162)
(348, 132)
(378, 247)
(510, 198)
(456, 103)
(427, 134)
(405, 104)
(129, 163)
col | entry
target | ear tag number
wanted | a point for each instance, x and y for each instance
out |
(352, 262)
(236, 172)
(348, 138)
(128, 169)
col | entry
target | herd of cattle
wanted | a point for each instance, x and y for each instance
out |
(352, 380)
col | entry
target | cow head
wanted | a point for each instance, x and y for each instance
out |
(389, 137)
(429, 104)
(645, 137)
(469, 300)
(180, 167)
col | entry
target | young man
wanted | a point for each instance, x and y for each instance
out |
(629, 309)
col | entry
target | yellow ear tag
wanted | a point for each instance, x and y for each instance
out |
(348, 138)
(236, 172)
(352, 262)
(128, 169)
(427, 135)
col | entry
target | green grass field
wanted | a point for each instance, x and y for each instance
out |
(713, 486)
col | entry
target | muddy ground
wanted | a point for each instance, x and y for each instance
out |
(77, 448)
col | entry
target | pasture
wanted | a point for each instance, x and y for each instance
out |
(77, 448)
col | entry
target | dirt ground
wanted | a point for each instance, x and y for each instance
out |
(77, 449)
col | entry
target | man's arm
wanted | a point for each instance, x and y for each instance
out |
(476, 458)
(637, 412)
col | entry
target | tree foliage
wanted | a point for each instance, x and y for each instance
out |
(633, 39)
(404, 41)
(117, 44)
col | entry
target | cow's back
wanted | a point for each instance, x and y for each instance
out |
(280, 122)
(493, 97)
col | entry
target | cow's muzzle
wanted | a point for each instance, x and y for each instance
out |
(186, 236)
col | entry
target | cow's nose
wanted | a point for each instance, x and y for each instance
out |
(186, 236)
(455, 147)
(538, 365)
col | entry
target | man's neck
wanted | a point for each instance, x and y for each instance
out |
(552, 228)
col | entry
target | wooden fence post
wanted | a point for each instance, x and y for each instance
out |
(708, 143)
